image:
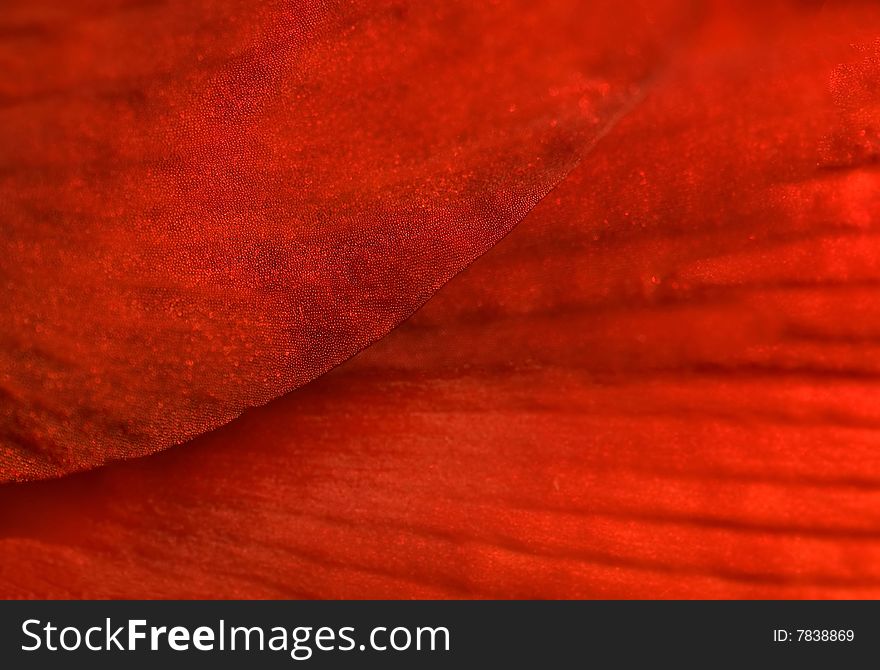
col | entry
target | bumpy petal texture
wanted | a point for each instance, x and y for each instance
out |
(661, 384)
(208, 204)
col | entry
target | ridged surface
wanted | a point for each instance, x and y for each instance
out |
(663, 383)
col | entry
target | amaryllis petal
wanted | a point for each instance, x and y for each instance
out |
(662, 384)
(207, 204)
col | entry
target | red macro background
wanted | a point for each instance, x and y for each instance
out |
(661, 384)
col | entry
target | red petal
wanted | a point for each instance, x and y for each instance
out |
(661, 385)
(207, 206)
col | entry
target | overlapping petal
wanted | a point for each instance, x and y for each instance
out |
(662, 384)
(207, 204)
